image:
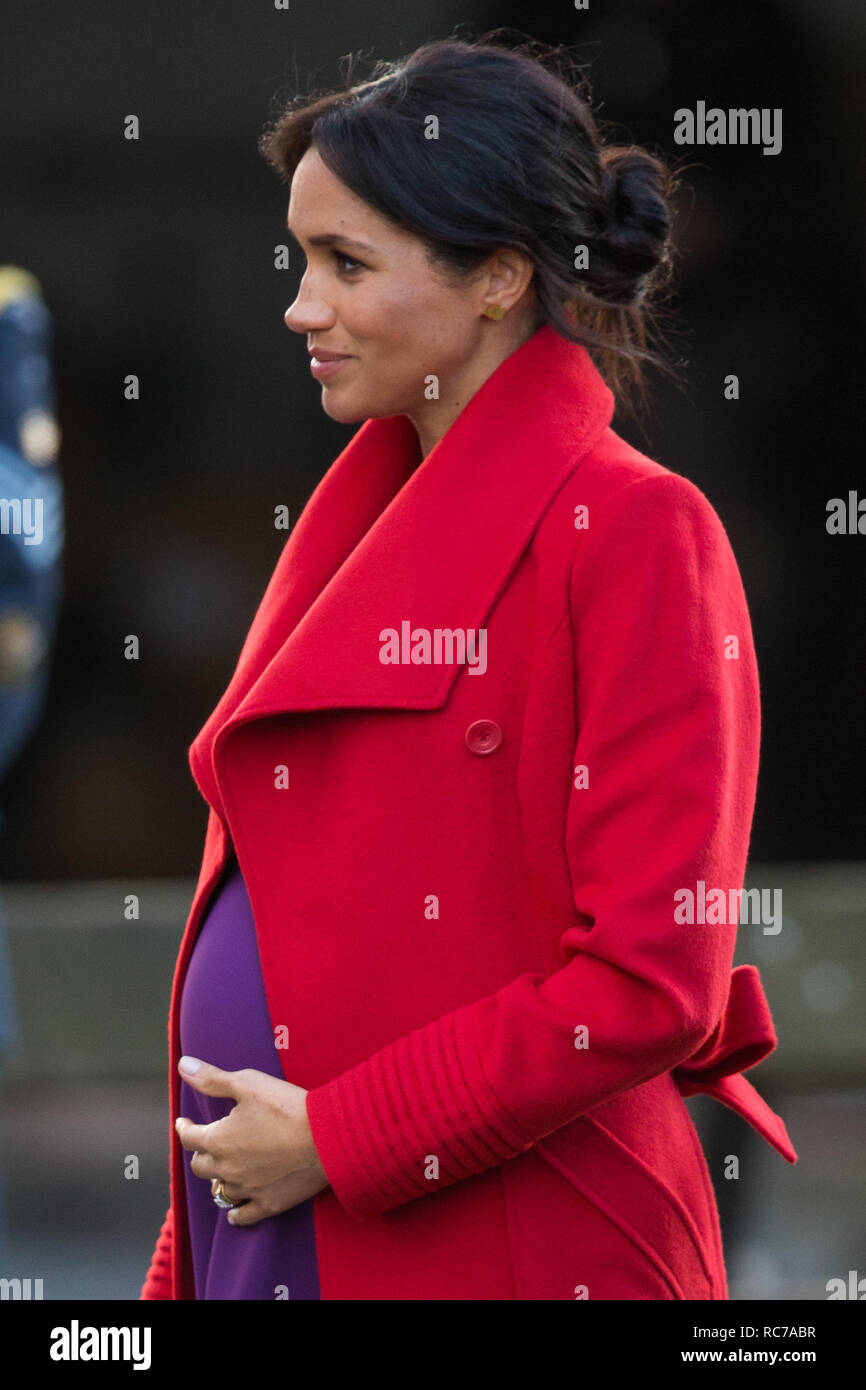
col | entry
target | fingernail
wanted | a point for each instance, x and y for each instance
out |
(189, 1065)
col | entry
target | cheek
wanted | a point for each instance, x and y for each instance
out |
(392, 312)
(394, 338)
(407, 328)
(418, 330)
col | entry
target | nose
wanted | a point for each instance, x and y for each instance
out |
(308, 313)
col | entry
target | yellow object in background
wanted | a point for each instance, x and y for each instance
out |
(16, 283)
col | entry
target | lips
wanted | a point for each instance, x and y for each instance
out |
(323, 355)
(328, 364)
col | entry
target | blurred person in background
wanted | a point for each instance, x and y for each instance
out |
(31, 541)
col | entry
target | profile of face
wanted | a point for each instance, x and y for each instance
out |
(370, 293)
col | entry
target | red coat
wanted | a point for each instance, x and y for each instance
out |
(464, 897)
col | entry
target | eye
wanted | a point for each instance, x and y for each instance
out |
(347, 264)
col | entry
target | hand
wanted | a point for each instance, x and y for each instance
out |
(263, 1149)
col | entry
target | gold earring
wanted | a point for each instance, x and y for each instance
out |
(494, 311)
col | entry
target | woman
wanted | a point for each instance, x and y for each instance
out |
(496, 715)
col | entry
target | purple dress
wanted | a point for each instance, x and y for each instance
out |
(224, 1020)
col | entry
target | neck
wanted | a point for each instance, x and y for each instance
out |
(436, 417)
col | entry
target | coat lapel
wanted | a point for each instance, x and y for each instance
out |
(386, 539)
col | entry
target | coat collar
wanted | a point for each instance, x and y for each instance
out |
(385, 539)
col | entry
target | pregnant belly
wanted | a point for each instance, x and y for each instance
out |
(224, 1016)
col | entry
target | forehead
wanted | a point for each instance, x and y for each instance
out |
(319, 202)
(315, 188)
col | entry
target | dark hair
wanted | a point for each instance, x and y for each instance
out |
(518, 162)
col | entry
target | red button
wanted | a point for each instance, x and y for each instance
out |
(484, 736)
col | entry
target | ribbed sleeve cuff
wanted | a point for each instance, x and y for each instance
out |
(157, 1284)
(413, 1118)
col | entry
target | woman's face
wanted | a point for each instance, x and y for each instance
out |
(369, 292)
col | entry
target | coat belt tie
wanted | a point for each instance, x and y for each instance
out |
(743, 1036)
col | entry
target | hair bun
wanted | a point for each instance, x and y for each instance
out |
(635, 224)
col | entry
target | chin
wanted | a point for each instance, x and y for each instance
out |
(350, 411)
(344, 412)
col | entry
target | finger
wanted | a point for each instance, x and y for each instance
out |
(204, 1165)
(192, 1136)
(210, 1080)
(247, 1215)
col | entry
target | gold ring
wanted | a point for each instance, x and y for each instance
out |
(220, 1195)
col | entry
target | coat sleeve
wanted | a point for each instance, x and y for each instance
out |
(157, 1282)
(667, 725)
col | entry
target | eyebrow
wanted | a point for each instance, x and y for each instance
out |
(331, 238)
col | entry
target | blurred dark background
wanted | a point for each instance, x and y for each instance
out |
(156, 258)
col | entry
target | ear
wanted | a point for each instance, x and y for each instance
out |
(510, 273)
